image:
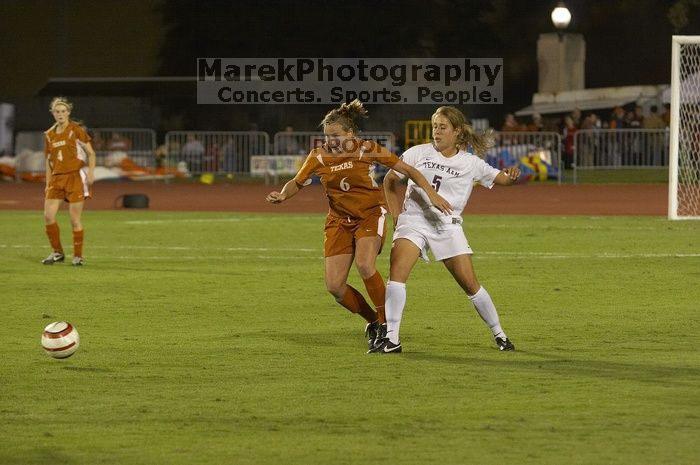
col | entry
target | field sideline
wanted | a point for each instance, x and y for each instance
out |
(208, 338)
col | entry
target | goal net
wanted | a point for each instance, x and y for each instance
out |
(684, 161)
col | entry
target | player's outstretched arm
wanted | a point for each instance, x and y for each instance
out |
(292, 187)
(508, 176)
(416, 176)
(288, 191)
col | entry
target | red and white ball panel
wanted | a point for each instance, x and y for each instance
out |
(60, 339)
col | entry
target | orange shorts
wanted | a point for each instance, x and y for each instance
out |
(71, 187)
(340, 234)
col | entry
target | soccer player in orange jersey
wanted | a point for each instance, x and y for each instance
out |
(70, 170)
(355, 226)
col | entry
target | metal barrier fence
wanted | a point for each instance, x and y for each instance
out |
(112, 145)
(620, 148)
(230, 152)
(541, 149)
(215, 152)
(302, 142)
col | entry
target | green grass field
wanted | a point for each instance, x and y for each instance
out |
(209, 339)
(618, 176)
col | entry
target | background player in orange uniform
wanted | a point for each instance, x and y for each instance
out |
(68, 150)
(355, 225)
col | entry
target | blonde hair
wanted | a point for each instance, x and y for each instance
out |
(60, 101)
(348, 115)
(63, 101)
(480, 142)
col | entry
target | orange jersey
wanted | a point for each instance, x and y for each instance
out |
(65, 152)
(348, 178)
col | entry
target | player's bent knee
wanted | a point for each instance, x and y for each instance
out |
(336, 291)
(366, 270)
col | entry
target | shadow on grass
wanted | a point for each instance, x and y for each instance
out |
(342, 338)
(569, 367)
(559, 364)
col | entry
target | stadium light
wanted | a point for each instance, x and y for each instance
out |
(561, 17)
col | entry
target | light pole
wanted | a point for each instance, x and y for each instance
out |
(561, 17)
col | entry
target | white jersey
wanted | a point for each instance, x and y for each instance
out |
(453, 178)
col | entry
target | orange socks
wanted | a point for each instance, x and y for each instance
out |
(356, 303)
(54, 237)
(78, 243)
(377, 292)
(353, 301)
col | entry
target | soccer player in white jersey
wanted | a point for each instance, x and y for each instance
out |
(419, 227)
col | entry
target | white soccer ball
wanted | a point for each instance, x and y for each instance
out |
(60, 339)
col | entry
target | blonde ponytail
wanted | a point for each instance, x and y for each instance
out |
(480, 143)
(348, 115)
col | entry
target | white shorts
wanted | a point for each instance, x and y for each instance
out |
(444, 244)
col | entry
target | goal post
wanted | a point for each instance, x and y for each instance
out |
(684, 140)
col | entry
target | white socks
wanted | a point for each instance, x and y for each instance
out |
(395, 302)
(487, 311)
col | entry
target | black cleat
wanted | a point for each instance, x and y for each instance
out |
(381, 334)
(371, 331)
(387, 347)
(53, 258)
(504, 344)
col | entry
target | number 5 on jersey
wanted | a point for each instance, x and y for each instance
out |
(436, 182)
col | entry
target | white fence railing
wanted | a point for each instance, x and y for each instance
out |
(620, 148)
(215, 152)
(541, 149)
(231, 151)
(112, 145)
